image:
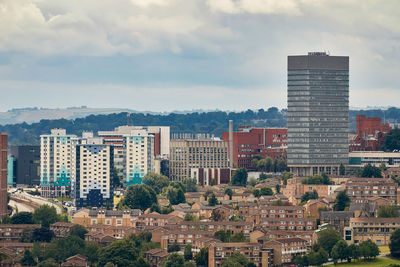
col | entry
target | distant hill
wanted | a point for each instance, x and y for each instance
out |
(30, 115)
(213, 122)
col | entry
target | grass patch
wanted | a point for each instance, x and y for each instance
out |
(378, 262)
(384, 249)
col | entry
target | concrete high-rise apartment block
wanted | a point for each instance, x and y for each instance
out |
(93, 174)
(3, 174)
(57, 158)
(189, 154)
(138, 156)
(318, 113)
(116, 139)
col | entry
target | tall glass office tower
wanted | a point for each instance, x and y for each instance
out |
(318, 113)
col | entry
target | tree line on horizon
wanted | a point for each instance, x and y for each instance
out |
(214, 122)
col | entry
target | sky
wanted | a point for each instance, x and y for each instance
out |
(164, 55)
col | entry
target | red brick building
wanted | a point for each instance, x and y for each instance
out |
(3, 174)
(370, 134)
(249, 142)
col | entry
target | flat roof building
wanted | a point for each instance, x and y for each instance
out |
(318, 113)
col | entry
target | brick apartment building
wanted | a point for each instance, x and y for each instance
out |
(362, 188)
(234, 227)
(218, 252)
(249, 142)
(370, 134)
(378, 230)
(13, 232)
(88, 217)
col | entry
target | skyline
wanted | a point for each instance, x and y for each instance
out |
(168, 55)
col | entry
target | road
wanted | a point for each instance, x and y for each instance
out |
(37, 200)
(20, 206)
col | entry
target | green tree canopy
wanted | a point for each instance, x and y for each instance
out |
(212, 200)
(394, 244)
(156, 181)
(79, 231)
(45, 215)
(229, 192)
(369, 171)
(266, 191)
(309, 195)
(392, 140)
(121, 252)
(27, 259)
(139, 196)
(237, 259)
(176, 195)
(187, 252)
(239, 177)
(190, 184)
(317, 179)
(328, 238)
(201, 258)
(342, 201)
(22, 218)
(174, 248)
(389, 211)
(174, 260)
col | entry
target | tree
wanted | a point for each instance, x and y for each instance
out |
(394, 244)
(22, 218)
(213, 182)
(174, 260)
(48, 263)
(328, 238)
(189, 217)
(189, 264)
(301, 261)
(389, 211)
(79, 231)
(141, 262)
(187, 252)
(238, 237)
(256, 193)
(229, 192)
(212, 201)
(354, 252)
(156, 181)
(175, 195)
(190, 184)
(223, 236)
(278, 188)
(121, 252)
(207, 193)
(173, 248)
(45, 215)
(317, 179)
(342, 201)
(201, 258)
(92, 251)
(109, 264)
(266, 191)
(239, 177)
(139, 196)
(27, 259)
(342, 169)
(42, 234)
(340, 250)
(309, 195)
(236, 259)
(392, 140)
(369, 171)
(368, 249)
(286, 176)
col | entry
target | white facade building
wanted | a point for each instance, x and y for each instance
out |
(138, 156)
(94, 167)
(56, 162)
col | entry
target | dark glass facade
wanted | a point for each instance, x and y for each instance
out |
(318, 110)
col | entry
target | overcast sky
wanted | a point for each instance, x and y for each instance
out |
(164, 55)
